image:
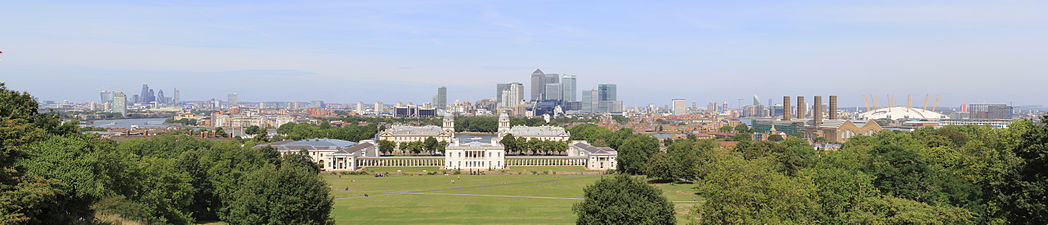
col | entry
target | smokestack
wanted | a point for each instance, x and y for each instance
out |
(786, 108)
(801, 107)
(816, 112)
(833, 107)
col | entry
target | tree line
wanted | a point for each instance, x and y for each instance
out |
(348, 131)
(50, 174)
(950, 175)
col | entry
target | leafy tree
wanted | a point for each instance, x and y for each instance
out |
(509, 142)
(685, 158)
(725, 128)
(288, 194)
(430, 144)
(623, 200)
(252, 130)
(23, 195)
(386, 147)
(635, 152)
(752, 192)
(441, 147)
(661, 167)
(742, 128)
(775, 138)
(1026, 190)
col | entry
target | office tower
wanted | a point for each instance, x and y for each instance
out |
(568, 85)
(378, 108)
(756, 100)
(499, 90)
(538, 85)
(833, 107)
(606, 92)
(160, 97)
(588, 101)
(177, 97)
(510, 95)
(680, 106)
(107, 96)
(360, 108)
(231, 99)
(801, 107)
(724, 106)
(786, 108)
(149, 98)
(553, 92)
(142, 95)
(442, 98)
(119, 103)
(136, 98)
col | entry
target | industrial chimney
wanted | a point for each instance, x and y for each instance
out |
(786, 108)
(833, 107)
(800, 107)
(816, 111)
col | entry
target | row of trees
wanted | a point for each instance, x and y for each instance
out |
(429, 146)
(349, 131)
(951, 175)
(50, 174)
(183, 121)
(521, 145)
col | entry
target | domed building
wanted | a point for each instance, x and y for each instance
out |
(901, 113)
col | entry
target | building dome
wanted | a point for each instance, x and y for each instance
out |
(897, 113)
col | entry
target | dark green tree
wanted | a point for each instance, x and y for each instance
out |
(623, 200)
(635, 152)
(660, 167)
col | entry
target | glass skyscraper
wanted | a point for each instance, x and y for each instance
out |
(567, 85)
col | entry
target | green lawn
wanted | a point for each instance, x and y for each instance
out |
(400, 169)
(489, 199)
(540, 169)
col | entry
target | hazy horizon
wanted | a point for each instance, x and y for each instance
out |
(965, 51)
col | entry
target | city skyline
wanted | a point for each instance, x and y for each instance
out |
(703, 52)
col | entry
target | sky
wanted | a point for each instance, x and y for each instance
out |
(402, 51)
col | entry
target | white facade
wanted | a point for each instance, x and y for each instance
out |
(475, 156)
(597, 158)
(545, 133)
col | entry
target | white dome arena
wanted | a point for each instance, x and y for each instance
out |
(897, 113)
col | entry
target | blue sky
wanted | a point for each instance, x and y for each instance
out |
(348, 51)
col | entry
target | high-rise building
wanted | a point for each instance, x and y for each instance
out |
(553, 92)
(606, 92)
(378, 108)
(589, 101)
(119, 103)
(442, 98)
(107, 96)
(568, 85)
(144, 95)
(177, 97)
(680, 106)
(160, 98)
(360, 108)
(509, 95)
(231, 99)
(538, 85)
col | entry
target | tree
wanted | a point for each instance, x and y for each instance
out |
(623, 200)
(661, 167)
(742, 128)
(386, 147)
(635, 152)
(509, 142)
(775, 138)
(23, 195)
(740, 191)
(430, 144)
(685, 158)
(1026, 190)
(288, 194)
(253, 130)
(725, 128)
(441, 146)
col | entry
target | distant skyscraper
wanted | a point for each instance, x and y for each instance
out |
(568, 85)
(589, 101)
(442, 98)
(160, 97)
(149, 98)
(107, 96)
(144, 95)
(607, 92)
(360, 108)
(231, 99)
(119, 103)
(756, 100)
(177, 97)
(553, 92)
(509, 95)
(538, 85)
(680, 106)
(378, 108)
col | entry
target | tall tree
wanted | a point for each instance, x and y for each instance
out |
(635, 152)
(623, 200)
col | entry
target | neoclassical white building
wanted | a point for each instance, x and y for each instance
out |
(475, 155)
(331, 154)
(545, 133)
(597, 158)
(402, 134)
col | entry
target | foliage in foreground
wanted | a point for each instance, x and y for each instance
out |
(623, 200)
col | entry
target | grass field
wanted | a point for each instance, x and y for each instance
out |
(490, 199)
(400, 169)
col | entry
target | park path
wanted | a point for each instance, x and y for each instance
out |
(431, 192)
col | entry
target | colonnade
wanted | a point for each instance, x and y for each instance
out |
(401, 161)
(558, 161)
